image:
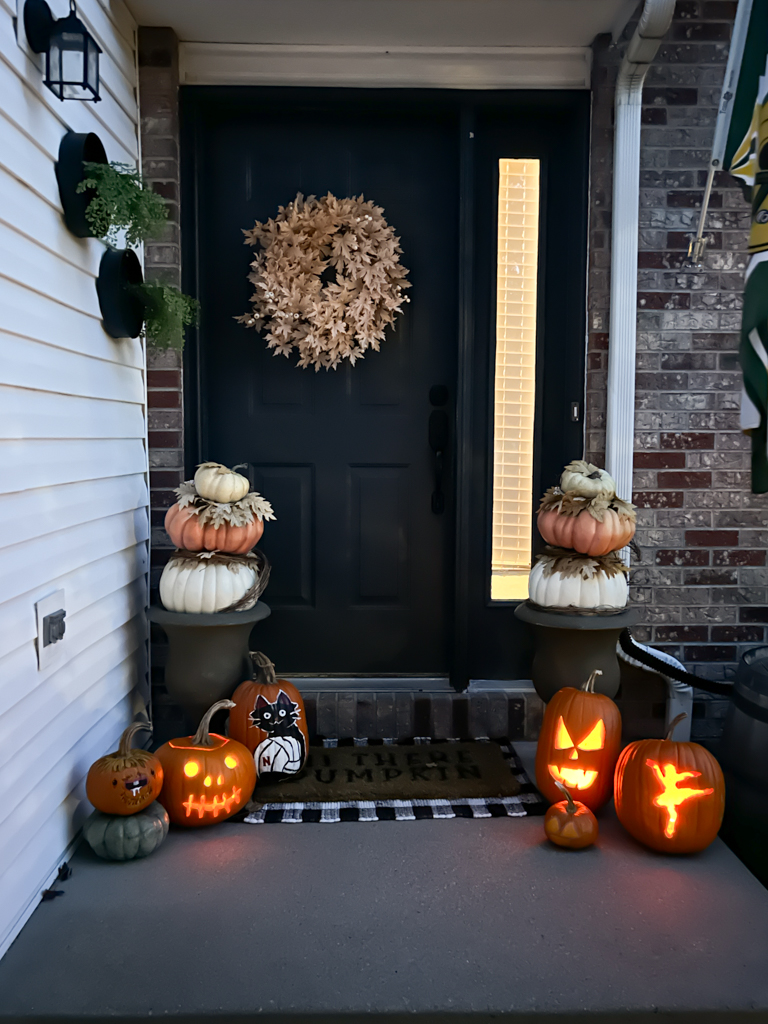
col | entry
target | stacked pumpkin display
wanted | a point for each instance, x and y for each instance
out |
(585, 524)
(215, 525)
(123, 787)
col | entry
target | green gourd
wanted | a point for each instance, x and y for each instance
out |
(121, 837)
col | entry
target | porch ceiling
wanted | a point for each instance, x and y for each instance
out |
(434, 23)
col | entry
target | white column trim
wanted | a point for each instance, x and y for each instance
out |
(620, 418)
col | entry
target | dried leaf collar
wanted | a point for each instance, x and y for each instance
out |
(568, 563)
(328, 279)
(570, 504)
(216, 514)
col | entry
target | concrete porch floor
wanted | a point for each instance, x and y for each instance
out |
(459, 920)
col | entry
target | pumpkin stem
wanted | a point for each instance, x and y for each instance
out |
(261, 663)
(571, 807)
(589, 686)
(124, 747)
(674, 723)
(201, 738)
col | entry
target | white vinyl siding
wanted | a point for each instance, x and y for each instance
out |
(73, 466)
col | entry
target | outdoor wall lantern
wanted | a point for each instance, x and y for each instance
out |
(71, 52)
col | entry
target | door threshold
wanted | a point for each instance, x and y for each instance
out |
(371, 683)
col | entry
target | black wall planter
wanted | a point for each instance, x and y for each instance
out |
(75, 149)
(122, 311)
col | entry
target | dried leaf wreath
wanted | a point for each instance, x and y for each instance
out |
(328, 279)
(570, 504)
(215, 513)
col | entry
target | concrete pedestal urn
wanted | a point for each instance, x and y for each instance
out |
(570, 647)
(208, 654)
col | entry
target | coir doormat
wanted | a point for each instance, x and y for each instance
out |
(361, 781)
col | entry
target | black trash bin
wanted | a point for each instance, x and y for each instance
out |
(744, 759)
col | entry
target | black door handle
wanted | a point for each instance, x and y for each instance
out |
(439, 435)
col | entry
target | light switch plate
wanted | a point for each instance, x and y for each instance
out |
(52, 653)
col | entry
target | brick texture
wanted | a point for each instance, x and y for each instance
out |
(702, 583)
(159, 86)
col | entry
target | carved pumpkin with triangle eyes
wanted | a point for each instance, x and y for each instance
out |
(579, 745)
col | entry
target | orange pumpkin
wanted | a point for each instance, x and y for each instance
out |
(126, 781)
(578, 744)
(669, 796)
(584, 533)
(570, 823)
(208, 777)
(268, 718)
(185, 530)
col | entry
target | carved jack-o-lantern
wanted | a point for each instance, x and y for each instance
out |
(570, 823)
(269, 719)
(578, 745)
(127, 780)
(208, 777)
(670, 796)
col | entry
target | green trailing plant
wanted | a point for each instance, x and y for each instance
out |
(167, 311)
(122, 201)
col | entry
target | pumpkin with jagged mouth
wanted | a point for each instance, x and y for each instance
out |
(127, 780)
(579, 744)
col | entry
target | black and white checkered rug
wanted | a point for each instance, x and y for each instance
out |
(528, 801)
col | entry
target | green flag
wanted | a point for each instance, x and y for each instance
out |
(746, 157)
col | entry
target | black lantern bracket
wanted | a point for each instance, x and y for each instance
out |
(71, 52)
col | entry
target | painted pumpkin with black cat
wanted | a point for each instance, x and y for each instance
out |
(269, 719)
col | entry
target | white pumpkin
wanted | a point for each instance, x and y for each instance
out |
(206, 585)
(581, 592)
(218, 483)
(588, 481)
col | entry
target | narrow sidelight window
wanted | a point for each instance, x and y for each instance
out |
(515, 377)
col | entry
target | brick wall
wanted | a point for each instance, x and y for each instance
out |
(702, 581)
(158, 88)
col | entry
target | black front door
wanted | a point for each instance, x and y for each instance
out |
(367, 578)
(362, 567)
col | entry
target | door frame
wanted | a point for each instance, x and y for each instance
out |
(467, 463)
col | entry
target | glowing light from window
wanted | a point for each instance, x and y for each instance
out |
(515, 377)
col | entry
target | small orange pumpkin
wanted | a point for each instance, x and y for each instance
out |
(208, 777)
(127, 780)
(584, 533)
(184, 528)
(268, 717)
(669, 796)
(570, 823)
(578, 744)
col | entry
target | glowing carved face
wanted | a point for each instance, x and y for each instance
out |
(570, 775)
(219, 794)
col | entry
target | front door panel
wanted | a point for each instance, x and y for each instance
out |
(362, 566)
